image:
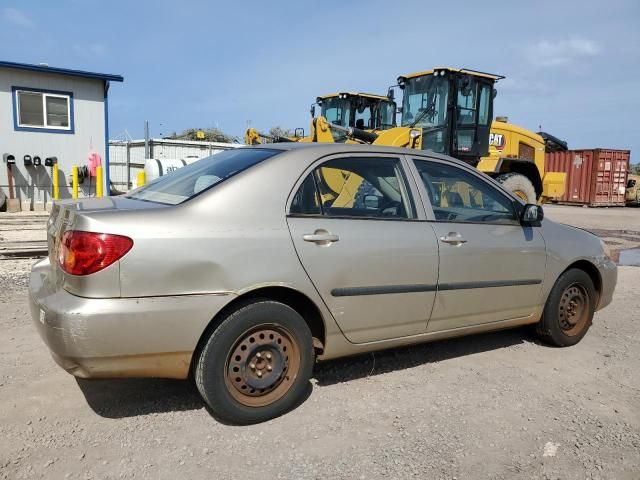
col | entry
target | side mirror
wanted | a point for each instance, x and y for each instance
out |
(531, 214)
(391, 94)
(371, 202)
(313, 111)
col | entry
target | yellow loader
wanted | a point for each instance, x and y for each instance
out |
(450, 111)
(344, 110)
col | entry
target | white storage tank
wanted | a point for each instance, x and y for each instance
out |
(157, 167)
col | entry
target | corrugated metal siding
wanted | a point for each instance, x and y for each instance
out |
(610, 177)
(594, 177)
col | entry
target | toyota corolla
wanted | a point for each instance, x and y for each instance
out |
(242, 269)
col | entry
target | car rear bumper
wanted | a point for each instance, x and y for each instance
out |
(120, 337)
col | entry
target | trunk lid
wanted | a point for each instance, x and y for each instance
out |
(73, 215)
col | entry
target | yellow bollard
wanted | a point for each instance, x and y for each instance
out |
(98, 182)
(56, 182)
(74, 182)
(141, 178)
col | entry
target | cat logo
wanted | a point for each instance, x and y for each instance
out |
(497, 140)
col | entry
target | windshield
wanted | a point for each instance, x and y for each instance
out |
(189, 181)
(424, 102)
(373, 113)
(387, 115)
(336, 110)
(360, 112)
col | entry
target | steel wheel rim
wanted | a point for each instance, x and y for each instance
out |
(262, 365)
(573, 310)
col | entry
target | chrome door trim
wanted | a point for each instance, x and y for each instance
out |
(381, 290)
(487, 284)
(389, 289)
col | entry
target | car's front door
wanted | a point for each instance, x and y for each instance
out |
(357, 234)
(491, 266)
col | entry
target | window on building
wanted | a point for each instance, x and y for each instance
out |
(46, 110)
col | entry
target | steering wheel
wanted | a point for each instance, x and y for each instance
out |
(387, 205)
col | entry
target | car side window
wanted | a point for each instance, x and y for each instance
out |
(355, 187)
(306, 200)
(459, 196)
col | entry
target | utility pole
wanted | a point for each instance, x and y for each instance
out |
(146, 139)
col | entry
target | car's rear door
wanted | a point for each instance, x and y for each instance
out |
(365, 245)
(491, 266)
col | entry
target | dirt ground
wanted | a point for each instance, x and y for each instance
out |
(493, 406)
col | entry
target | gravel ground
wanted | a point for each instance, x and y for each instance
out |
(497, 406)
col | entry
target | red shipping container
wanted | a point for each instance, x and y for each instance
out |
(596, 177)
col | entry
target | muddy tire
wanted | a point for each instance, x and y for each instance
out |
(519, 185)
(568, 313)
(256, 365)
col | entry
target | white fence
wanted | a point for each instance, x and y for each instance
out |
(126, 159)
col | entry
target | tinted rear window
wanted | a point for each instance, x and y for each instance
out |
(189, 181)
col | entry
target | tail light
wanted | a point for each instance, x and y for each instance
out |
(84, 253)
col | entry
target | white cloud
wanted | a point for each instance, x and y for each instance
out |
(18, 18)
(516, 85)
(546, 53)
(90, 50)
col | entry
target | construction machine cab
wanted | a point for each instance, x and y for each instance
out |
(360, 110)
(453, 108)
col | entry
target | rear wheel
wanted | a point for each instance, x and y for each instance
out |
(256, 365)
(569, 310)
(519, 185)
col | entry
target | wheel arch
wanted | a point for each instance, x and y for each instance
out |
(591, 270)
(295, 299)
(524, 167)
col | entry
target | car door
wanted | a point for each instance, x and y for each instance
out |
(491, 266)
(367, 249)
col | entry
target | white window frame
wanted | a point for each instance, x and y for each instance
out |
(45, 125)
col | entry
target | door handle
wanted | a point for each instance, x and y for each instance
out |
(453, 238)
(320, 237)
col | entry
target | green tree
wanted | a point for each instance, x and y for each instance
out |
(210, 135)
(280, 132)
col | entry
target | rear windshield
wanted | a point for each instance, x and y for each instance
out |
(189, 181)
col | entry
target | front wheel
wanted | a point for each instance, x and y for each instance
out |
(519, 185)
(569, 310)
(257, 364)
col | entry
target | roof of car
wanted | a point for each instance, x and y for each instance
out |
(322, 149)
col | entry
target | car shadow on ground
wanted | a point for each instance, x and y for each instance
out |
(377, 363)
(120, 398)
(131, 397)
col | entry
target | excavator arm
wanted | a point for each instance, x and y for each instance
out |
(320, 131)
(395, 137)
(254, 137)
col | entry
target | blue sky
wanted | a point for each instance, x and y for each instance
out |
(571, 66)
